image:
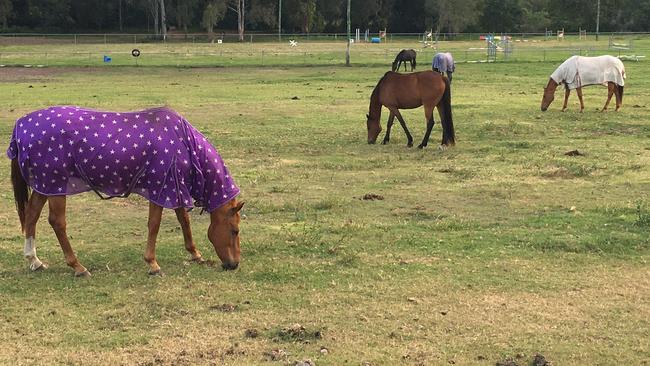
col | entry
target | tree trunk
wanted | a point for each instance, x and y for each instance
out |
(241, 5)
(347, 51)
(119, 13)
(163, 20)
(154, 11)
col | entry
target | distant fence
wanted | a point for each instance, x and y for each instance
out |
(175, 37)
(294, 57)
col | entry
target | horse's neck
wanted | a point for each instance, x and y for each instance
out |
(375, 105)
(552, 85)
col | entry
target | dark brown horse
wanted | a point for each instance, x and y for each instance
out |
(407, 91)
(404, 56)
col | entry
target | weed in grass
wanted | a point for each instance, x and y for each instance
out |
(642, 215)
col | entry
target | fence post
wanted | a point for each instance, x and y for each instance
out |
(135, 40)
(104, 38)
(75, 39)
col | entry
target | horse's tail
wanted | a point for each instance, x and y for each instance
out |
(448, 135)
(415, 64)
(21, 191)
(620, 93)
(394, 65)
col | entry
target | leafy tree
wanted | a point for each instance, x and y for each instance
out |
(213, 12)
(5, 12)
(501, 16)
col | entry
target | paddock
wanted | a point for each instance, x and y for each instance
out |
(499, 248)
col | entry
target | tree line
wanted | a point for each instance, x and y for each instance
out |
(316, 16)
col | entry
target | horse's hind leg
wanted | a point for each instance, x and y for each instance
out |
(155, 216)
(428, 114)
(582, 104)
(58, 223)
(610, 91)
(184, 219)
(389, 125)
(32, 214)
(567, 91)
(397, 114)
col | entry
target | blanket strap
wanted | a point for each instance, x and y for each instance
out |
(95, 189)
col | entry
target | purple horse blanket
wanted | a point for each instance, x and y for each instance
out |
(155, 153)
(443, 62)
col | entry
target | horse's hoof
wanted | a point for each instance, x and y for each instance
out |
(384, 142)
(442, 147)
(83, 274)
(410, 144)
(158, 273)
(198, 260)
(420, 146)
(38, 268)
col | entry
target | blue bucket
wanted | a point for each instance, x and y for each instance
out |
(375, 40)
(107, 59)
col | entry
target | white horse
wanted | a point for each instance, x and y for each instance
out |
(579, 71)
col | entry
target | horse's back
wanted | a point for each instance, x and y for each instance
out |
(601, 69)
(410, 90)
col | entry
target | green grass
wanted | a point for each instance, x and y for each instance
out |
(498, 247)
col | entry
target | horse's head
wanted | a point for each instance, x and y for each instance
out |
(374, 128)
(549, 94)
(224, 233)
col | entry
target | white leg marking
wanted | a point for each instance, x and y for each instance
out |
(30, 255)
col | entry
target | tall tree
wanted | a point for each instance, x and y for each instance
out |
(501, 16)
(212, 14)
(5, 13)
(452, 15)
(239, 7)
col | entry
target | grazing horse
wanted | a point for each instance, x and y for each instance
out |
(403, 56)
(407, 91)
(444, 63)
(579, 71)
(156, 153)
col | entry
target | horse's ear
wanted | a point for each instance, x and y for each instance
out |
(237, 208)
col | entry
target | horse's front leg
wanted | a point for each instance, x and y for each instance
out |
(184, 219)
(397, 114)
(428, 114)
(610, 91)
(389, 125)
(582, 104)
(32, 214)
(58, 222)
(155, 216)
(567, 91)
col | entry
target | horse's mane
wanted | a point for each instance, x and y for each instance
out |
(376, 89)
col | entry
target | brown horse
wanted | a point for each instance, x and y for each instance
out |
(46, 151)
(579, 71)
(407, 91)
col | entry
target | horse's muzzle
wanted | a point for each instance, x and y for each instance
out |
(229, 266)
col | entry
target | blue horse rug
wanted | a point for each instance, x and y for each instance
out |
(156, 153)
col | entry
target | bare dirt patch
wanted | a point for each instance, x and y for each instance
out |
(17, 74)
(372, 197)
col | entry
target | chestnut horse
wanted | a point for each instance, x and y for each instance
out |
(579, 71)
(155, 153)
(404, 56)
(407, 91)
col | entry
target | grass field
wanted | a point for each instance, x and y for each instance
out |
(502, 247)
